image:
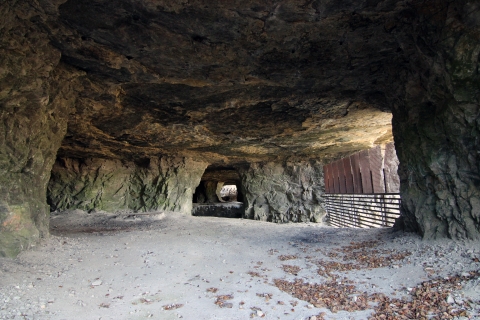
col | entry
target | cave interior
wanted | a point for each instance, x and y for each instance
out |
(133, 105)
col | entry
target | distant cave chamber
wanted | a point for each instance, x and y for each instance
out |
(219, 194)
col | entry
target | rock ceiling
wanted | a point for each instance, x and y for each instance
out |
(229, 81)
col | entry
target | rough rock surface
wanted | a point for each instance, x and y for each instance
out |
(228, 82)
(157, 184)
(437, 122)
(36, 94)
(284, 192)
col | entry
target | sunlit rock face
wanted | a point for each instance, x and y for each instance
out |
(229, 82)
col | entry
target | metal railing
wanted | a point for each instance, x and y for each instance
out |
(362, 210)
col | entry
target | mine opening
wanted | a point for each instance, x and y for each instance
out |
(362, 190)
(219, 194)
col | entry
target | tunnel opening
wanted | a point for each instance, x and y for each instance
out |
(219, 194)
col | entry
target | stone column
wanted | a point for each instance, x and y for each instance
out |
(36, 94)
(289, 191)
(437, 125)
(211, 191)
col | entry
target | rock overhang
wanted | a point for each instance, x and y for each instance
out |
(228, 82)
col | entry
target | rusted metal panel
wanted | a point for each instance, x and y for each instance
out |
(367, 171)
(335, 176)
(328, 178)
(364, 163)
(357, 178)
(341, 175)
(390, 167)
(347, 168)
(325, 177)
(376, 167)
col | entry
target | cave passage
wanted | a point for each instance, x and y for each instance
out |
(219, 194)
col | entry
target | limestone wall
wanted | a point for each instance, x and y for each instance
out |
(164, 184)
(290, 191)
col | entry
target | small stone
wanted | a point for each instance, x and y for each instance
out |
(260, 313)
(313, 318)
(310, 306)
(450, 300)
(96, 283)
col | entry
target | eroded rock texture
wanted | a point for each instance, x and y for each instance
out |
(437, 121)
(156, 184)
(36, 95)
(228, 81)
(284, 192)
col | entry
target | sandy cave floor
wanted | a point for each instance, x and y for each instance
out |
(170, 266)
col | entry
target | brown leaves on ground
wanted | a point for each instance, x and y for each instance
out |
(428, 300)
(222, 301)
(358, 256)
(332, 295)
(291, 269)
(172, 306)
(285, 257)
(212, 290)
(267, 296)
(254, 274)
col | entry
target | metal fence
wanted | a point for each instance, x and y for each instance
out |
(362, 210)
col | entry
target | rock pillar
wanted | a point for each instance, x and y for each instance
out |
(437, 125)
(36, 94)
(284, 192)
(211, 191)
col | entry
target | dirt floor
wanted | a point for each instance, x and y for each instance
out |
(169, 266)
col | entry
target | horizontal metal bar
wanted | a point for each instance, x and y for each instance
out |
(362, 194)
(372, 212)
(369, 224)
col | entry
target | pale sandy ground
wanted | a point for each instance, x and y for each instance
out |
(161, 260)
